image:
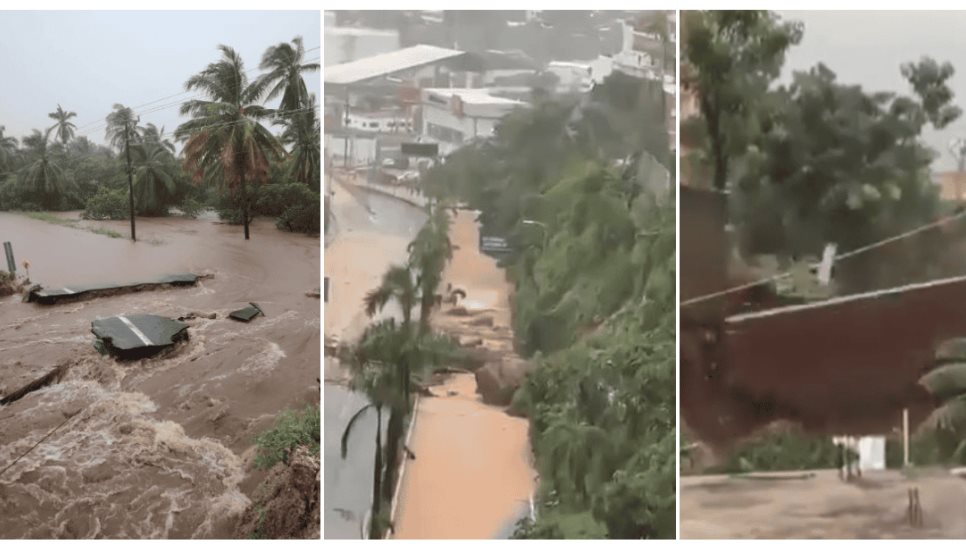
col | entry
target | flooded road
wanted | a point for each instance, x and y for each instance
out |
(372, 234)
(161, 447)
(472, 476)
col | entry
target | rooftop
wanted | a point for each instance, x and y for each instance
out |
(474, 96)
(386, 63)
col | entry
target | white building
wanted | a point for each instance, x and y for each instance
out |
(640, 54)
(580, 76)
(384, 121)
(454, 117)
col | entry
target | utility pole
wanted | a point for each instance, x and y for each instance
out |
(130, 176)
(345, 126)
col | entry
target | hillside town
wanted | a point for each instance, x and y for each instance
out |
(499, 232)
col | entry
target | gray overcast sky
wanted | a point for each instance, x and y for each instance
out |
(867, 48)
(88, 61)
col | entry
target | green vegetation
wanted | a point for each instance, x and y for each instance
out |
(813, 162)
(72, 223)
(393, 358)
(292, 429)
(228, 155)
(106, 204)
(583, 193)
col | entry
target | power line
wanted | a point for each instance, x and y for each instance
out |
(100, 124)
(843, 256)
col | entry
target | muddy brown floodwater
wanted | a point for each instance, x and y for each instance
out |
(158, 448)
(822, 506)
(472, 476)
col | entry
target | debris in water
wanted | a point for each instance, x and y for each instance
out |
(198, 315)
(47, 379)
(63, 294)
(137, 336)
(247, 313)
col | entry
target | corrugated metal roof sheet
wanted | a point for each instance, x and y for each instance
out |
(386, 63)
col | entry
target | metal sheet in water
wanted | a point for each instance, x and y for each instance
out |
(138, 335)
(247, 313)
(62, 294)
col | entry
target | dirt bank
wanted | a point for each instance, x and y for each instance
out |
(472, 473)
(721, 507)
(158, 448)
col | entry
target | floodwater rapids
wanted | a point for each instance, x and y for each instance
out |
(162, 447)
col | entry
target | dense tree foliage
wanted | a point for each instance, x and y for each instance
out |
(59, 168)
(582, 190)
(811, 162)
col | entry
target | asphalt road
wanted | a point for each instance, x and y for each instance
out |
(348, 482)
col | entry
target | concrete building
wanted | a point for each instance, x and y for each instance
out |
(643, 53)
(388, 121)
(347, 44)
(581, 75)
(454, 117)
(381, 94)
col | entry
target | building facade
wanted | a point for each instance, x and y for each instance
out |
(455, 117)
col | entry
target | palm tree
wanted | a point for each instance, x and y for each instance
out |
(428, 254)
(284, 62)
(122, 133)
(43, 176)
(302, 133)
(379, 362)
(947, 384)
(154, 169)
(397, 284)
(371, 361)
(224, 141)
(8, 150)
(63, 127)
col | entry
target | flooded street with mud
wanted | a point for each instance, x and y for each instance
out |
(159, 447)
(458, 441)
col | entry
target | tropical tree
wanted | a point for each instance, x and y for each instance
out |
(225, 144)
(63, 128)
(122, 133)
(428, 254)
(154, 170)
(376, 365)
(285, 66)
(397, 284)
(370, 361)
(8, 150)
(43, 177)
(302, 133)
(732, 57)
(947, 384)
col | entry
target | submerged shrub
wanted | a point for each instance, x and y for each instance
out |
(303, 218)
(274, 199)
(107, 204)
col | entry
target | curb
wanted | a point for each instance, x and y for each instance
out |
(389, 193)
(402, 470)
